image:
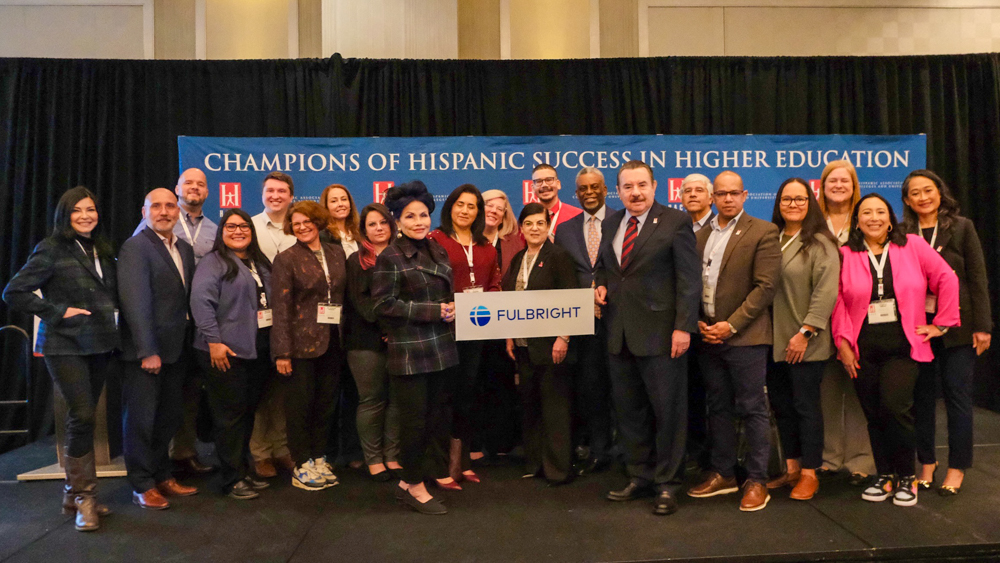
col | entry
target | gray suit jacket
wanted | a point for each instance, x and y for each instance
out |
(806, 295)
(748, 279)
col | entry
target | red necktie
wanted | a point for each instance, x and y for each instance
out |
(631, 232)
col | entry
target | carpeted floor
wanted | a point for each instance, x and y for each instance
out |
(504, 519)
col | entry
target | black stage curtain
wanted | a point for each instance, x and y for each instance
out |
(113, 125)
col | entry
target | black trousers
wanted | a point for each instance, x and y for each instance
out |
(464, 382)
(233, 396)
(344, 443)
(310, 401)
(794, 392)
(80, 379)
(546, 397)
(496, 417)
(955, 368)
(423, 423)
(885, 385)
(592, 393)
(697, 424)
(650, 397)
(734, 384)
(153, 407)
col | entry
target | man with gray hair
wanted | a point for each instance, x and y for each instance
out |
(696, 197)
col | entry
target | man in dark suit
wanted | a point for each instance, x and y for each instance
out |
(581, 237)
(155, 269)
(647, 275)
(741, 264)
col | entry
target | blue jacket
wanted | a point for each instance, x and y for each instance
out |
(226, 311)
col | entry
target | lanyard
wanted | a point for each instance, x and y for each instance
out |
(468, 255)
(197, 231)
(934, 235)
(555, 221)
(713, 250)
(260, 284)
(326, 269)
(795, 236)
(97, 262)
(526, 267)
(829, 223)
(879, 265)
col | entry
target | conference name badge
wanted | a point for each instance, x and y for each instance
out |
(328, 314)
(930, 304)
(473, 289)
(882, 311)
(264, 318)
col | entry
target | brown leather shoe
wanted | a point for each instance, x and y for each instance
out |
(790, 479)
(715, 485)
(286, 462)
(172, 488)
(265, 469)
(806, 488)
(151, 499)
(755, 496)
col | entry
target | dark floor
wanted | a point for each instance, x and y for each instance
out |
(504, 518)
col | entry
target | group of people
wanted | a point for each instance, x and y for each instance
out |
(831, 311)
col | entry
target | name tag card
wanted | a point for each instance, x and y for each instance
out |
(930, 304)
(882, 311)
(707, 295)
(264, 318)
(328, 314)
(473, 289)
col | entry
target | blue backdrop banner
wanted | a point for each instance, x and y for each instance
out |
(236, 166)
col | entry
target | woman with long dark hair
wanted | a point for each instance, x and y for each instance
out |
(474, 269)
(231, 306)
(882, 335)
(930, 211)
(807, 291)
(75, 269)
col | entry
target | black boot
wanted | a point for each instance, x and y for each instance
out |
(82, 477)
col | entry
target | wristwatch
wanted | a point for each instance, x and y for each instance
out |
(565, 339)
(732, 328)
(943, 329)
(807, 333)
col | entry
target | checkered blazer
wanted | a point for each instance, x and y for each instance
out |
(408, 287)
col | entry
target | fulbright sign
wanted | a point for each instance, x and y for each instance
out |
(524, 314)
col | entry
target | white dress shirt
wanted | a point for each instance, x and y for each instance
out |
(619, 239)
(587, 217)
(171, 245)
(270, 236)
(711, 262)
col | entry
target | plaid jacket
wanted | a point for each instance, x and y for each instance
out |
(408, 288)
(67, 278)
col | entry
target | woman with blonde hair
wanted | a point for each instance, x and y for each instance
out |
(501, 228)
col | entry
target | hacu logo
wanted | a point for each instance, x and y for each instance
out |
(529, 192)
(229, 195)
(815, 186)
(379, 189)
(674, 186)
(480, 316)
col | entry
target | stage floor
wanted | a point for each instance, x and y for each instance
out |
(505, 518)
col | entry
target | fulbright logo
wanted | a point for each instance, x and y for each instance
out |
(480, 316)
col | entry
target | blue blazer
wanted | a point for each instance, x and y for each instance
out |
(226, 311)
(154, 300)
(570, 237)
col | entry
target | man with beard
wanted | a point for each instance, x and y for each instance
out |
(581, 237)
(647, 276)
(546, 184)
(199, 231)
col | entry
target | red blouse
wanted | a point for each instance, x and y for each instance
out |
(484, 263)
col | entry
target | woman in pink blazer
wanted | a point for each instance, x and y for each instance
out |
(879, 331)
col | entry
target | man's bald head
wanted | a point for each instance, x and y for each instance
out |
(192, 188)
(728, 195)
(161, 211)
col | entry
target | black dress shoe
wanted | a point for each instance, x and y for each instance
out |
(433, 506)
(192, 466)
(256, 484)
(381, 476)
(664, 504)
(242, 491)
(593, 465)
(631, 491)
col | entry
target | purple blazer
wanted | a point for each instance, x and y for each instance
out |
(915, 268)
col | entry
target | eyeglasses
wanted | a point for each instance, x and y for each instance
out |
(541, 181)
(796, 201)
(233, 227)
(724, 195)
(303, 225)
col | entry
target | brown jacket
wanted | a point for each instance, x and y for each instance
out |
(298, 284)
(748, 280)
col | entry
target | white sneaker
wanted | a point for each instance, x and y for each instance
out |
(324, 470)
(306, 478)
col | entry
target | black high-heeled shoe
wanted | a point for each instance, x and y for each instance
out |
(926, 485)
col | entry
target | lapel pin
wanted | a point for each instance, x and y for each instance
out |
(738, 233)
(540, 264)
(655, 220)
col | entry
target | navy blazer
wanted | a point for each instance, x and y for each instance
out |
(570, 237)
(226, 311)
(67, 278)
(154, 300)
(659, 291)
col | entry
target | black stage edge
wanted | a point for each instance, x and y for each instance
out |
(506, 518)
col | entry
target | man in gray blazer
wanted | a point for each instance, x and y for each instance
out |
(155, 268)
(741, 263)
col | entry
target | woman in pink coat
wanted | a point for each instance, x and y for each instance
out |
(880, 332)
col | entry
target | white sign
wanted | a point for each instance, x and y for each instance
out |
(524, 314)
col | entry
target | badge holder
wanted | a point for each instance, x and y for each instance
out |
(328, 314)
